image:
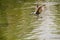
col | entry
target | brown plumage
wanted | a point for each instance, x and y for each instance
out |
(39, 10)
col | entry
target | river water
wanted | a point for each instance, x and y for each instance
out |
(45, 28)
(24, 26)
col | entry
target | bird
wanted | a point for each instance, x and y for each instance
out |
(39, 9)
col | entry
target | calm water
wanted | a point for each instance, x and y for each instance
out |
(24, 26)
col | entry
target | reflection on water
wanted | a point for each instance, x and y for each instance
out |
(45, 27)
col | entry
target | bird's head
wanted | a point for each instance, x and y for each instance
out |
(43, 7)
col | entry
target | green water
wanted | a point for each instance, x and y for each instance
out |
(17, 23)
